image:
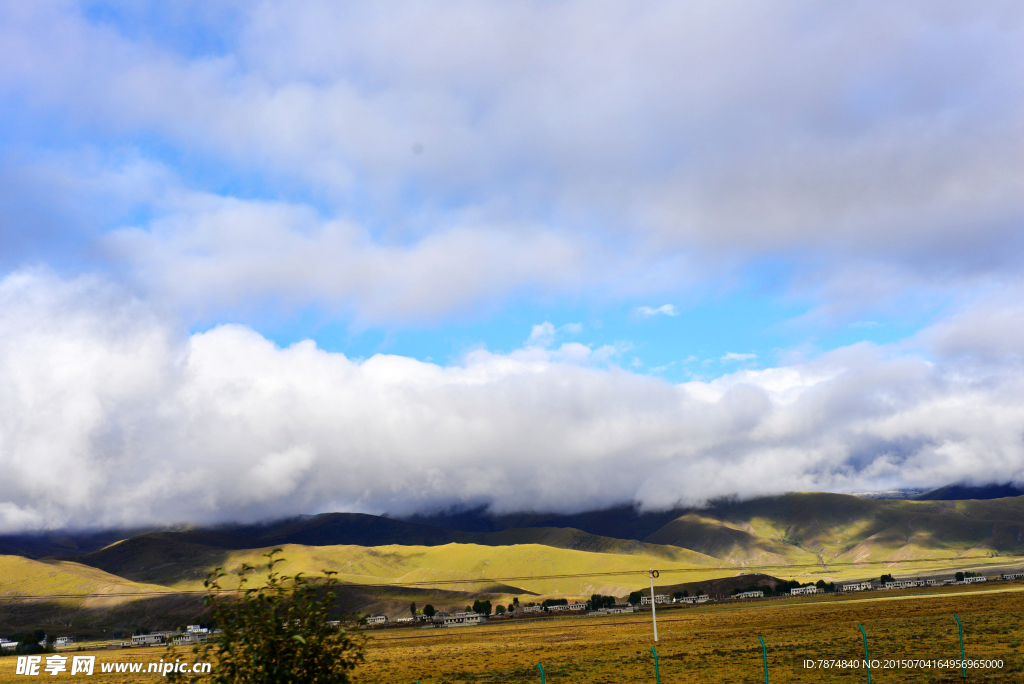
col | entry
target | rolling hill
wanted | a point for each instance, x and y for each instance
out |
(840, 528)
(168, 560)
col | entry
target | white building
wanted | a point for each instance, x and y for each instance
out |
(796, 591)
(972, 580)
(188, 639)
(1013, 575)
(857, 586)
(464, 619)
(406, 620)
(658, 598)
(904, 584)
(153, 639)
(533, 609)
(196, 629)
(749, 594)
(618, 610)
(7, 644)
(376, 619)
(63, 641)
(694, 599)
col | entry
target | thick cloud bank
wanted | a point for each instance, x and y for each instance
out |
(108, 415)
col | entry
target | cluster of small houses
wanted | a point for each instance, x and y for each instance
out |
(462, 619)
(868, 586)
(193, 634)
(471, 618)
(8, 645)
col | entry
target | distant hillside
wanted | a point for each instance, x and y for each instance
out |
(61, 542)
(170, 561)
(341, 529)
(963, 492)
(839, 528)
(115, 603)
(620, 522)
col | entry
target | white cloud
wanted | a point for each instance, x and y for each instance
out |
(887, 137)
(544, 334)
(209, 254)
(732, 357)
(109, 416)
(541, 335)
(667, 309)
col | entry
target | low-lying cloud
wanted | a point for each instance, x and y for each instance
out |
(109, 415)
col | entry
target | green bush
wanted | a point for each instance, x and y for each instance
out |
(277, 633)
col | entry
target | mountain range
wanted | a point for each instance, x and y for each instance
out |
(457, 555)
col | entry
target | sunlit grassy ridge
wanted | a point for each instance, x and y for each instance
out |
(25, 577)
(430, 564)
(802, 528)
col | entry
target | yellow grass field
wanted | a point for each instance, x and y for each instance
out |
(717, 643)
(405, 565)
(710, 643)
(24, 576)
(402, 565)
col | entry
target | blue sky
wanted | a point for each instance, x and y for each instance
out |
(669, 233)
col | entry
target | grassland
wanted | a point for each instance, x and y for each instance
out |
(710, 643)
(426, 565)
(796, 536)
(818, 527)
(26, 577)
(719, 643)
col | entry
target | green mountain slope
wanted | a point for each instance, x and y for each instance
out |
(841, 528)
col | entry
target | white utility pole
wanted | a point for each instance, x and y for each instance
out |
(653, 573)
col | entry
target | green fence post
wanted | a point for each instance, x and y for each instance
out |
(764, 653)
(541, 668)
(867, 656)
(657, 674)
(963, 665)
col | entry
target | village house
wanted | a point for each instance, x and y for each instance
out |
(376, 619)
(188, 639)
(152, 639)
(749, 594)
(660, 598)
(796, 591)
(857, 586)
(617, 610)
(464, 619)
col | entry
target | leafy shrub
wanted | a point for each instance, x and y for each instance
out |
(277, 633)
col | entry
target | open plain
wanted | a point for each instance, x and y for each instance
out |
(718, 643)
(709, 643)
